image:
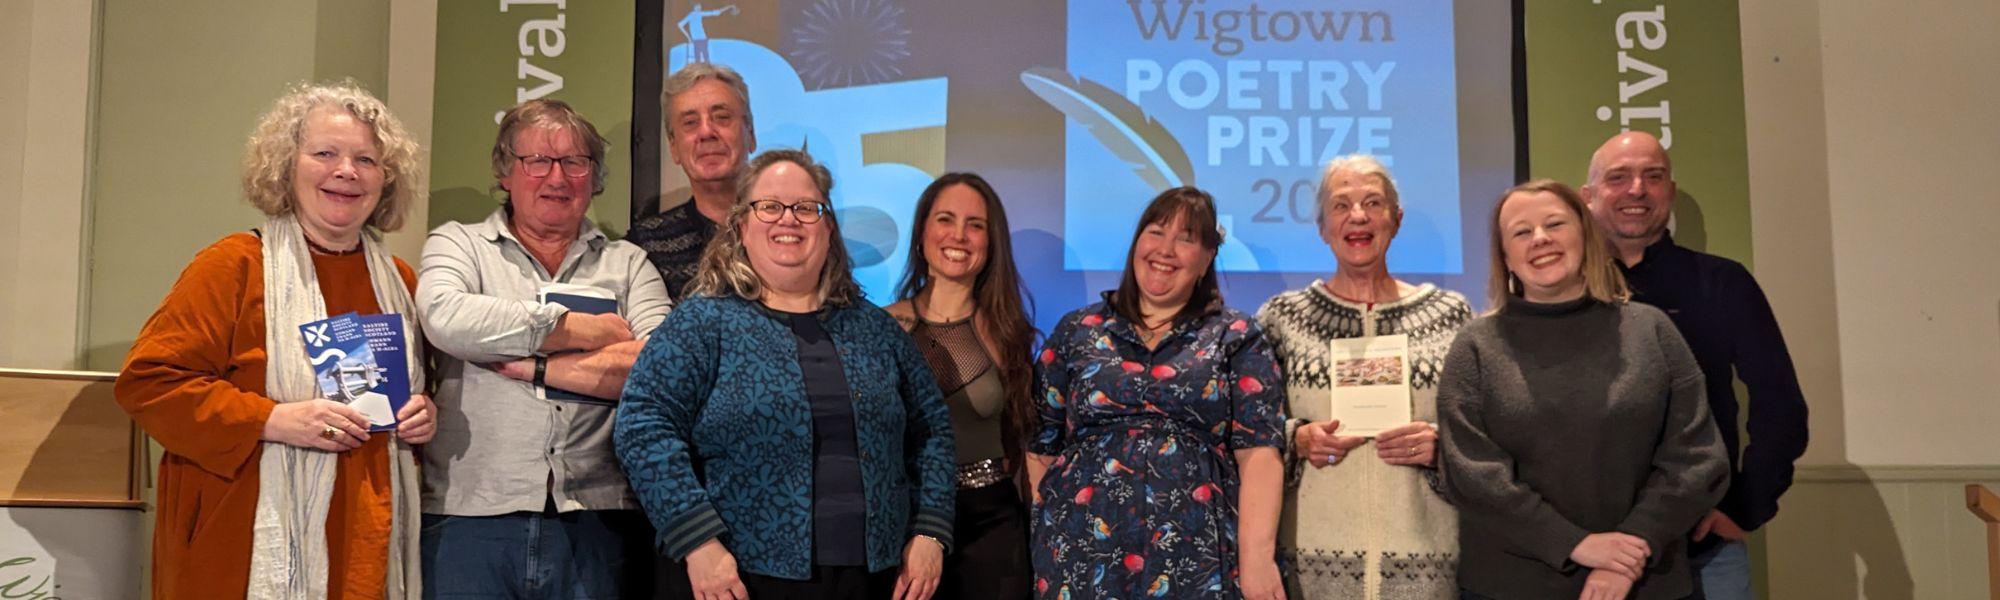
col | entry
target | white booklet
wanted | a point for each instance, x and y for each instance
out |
(1371, 383)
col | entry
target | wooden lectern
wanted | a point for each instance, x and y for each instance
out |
(1986, 506)
(65, 443)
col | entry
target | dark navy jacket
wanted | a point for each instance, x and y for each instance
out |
(714, 431)
(1723, 315)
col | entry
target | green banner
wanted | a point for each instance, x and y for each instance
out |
(493, 55)
(1600, 67)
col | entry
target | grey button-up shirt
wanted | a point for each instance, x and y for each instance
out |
(500, 447)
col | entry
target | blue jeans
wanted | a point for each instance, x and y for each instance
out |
(572, 555)
(1723, 572)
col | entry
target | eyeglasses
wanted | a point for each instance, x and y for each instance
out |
(807, 212)
(540, 165)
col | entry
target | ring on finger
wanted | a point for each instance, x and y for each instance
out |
(330, 432)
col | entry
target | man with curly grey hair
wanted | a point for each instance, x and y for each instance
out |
(710, 135)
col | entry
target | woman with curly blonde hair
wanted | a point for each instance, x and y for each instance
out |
(268, 489)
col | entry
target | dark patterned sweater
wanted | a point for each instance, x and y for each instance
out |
(673, 241)
(1362, 528)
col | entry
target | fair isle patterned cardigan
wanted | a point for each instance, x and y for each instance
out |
(715, 434)
(1362, 528)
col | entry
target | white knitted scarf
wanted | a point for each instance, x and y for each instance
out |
(295, 485)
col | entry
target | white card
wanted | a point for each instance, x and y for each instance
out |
(1371, 383)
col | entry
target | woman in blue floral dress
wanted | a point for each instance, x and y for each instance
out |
(1161, 416)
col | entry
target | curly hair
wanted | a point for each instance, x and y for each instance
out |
(724, 268)
(269, 156)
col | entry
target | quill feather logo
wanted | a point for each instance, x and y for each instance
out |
(1121, 126)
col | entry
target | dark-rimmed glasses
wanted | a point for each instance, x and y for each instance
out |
(806, 211)
(540, 165)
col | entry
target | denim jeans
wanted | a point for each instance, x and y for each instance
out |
(527, 555)
(1723, 572)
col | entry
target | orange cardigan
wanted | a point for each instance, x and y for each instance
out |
(195, 381)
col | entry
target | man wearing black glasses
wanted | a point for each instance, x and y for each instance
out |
(706, 108)
(537, 317)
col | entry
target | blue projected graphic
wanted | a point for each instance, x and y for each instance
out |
(874, 201)
(1247, 100)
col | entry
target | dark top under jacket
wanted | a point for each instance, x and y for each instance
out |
(1722, 313)
(839, 508)
(715, 430)
(1562, 420)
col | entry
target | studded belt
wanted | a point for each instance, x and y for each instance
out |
(983, 473)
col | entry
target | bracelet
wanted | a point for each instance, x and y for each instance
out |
(934, 540)
(541, 371)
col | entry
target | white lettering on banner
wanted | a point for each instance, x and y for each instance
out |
(1269, 139)
(1195, 84)
(536, 37)
(1650, 27)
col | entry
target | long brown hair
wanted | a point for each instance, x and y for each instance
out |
(1000, 301)
(1199, 209)
(1601, 279)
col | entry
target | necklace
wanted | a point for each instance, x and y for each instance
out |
(1149, 333)
(924, 312)
(326, 251)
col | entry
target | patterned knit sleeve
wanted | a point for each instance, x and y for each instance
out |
(655, 427)
(1274, 335)
(931, 456)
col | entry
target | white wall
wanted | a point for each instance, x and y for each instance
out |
(1913, 137)
(45, 75)
(1870, 126)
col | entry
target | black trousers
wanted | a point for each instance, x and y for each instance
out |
(991, 561)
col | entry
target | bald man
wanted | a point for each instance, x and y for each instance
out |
(1720, 310)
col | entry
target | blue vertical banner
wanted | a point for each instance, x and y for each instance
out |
(1247, 99)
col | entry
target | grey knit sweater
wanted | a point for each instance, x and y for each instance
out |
(1561, 420)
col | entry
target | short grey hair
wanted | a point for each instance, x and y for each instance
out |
(1357, 164)
(724, 269)
(683, 80)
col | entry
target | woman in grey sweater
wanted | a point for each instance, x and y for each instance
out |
(1577, 443)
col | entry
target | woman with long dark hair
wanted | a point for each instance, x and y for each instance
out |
(962, 301)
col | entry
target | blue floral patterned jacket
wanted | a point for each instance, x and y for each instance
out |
(714, 430)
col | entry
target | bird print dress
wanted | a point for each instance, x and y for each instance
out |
(1141, 499)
